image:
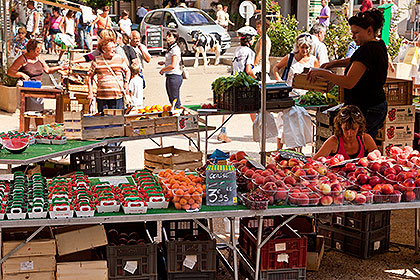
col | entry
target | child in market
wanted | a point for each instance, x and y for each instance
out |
(136, 86)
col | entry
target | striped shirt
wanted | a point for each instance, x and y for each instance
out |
(108, 87)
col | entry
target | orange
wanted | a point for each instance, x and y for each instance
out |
(191, 201)
(161, 173)
(196, 196)
(199, 189)
(176, 198)
(187, 196)
(186, 207)
(178, 206)
(179, 192)
(195, 206)
(182, 201)
(199, 200)
(191, 190)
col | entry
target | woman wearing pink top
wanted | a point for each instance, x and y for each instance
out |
(53, 27)
(350, 139)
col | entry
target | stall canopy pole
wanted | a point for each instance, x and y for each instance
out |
(263, 78)
(4, 36)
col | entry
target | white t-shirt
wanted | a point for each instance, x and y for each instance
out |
(140, 55)
(168, 60)
(125, 25)
(136, 87)
(221, 18)
(243, 56)
(141, 12)
(319, 50)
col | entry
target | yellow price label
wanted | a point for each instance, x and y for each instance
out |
(235, 200)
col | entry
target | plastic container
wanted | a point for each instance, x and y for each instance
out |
(387, 198)
(135, 207)
(279, 194)
(62, 141)
(188, 202)
(304, 198)
(31, 84)
(254, 204)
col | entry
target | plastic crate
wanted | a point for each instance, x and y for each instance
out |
(185, 238)
(238, 99)
(145, 255)
(193, 276)
(279, 252)
(279, 274)
(105, 161)
(358, 244)
(358, 221)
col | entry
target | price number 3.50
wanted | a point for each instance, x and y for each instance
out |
(216, 195)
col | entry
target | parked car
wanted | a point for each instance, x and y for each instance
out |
(184, 21)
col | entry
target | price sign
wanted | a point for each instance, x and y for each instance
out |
(287, 154)
(154, 38)
(221, 185)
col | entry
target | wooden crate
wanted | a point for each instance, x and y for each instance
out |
(172, 158)
(86, 270)
(135, 127)
(166, 124)
(39, 247)
(29, 264)
(77, 102)
(300, 82)
(396, 132)
(80, 239)
(49, 275)
(79, 126)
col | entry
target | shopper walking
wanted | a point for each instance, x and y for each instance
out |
(33, 22)
(258, 50)
(53, 27)
(110, 70)
(103, 21)
(366, 70)
(141, 13)
(227, 19)
(136, 86)
(320, 51)
(366, 5)
(325, 14)
(67, 26)
(82, 30)
(221, 16)
(172, 68)
(125, 23)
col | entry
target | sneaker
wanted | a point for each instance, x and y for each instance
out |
(223, 138)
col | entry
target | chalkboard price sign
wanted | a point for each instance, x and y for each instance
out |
(221, 185)
(154, 38)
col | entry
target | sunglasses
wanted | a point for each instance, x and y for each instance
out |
(21, 33)
(304, 36)
(345, 114)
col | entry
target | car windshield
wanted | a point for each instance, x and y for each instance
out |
(194, 18)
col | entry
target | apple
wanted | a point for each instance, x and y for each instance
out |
(284, 163)
(269, 179)
(374, 180)
(322, 170)
(409, 184)
(395, 197)
(325, 188)
(331, 176)
(326, 200)
(417, 182)
(265, 173)
(240, 155)
(400, 176)
(374, 166)
(350, 195)
(259, 180)
(244, 169)
(409, 196)
(366, 187)
(334, 161)
(362, 179)
(293, 162)
(269, 186)
(387, 188)
(338, 199)
(368, 195)
(350, 167)
(336, 188)
(410, 174)
(289, 180)
(390, 178)
(360, 170)
(363, 161)
(382, 169)
(293, 197)
(390, 171)
(250, 186)
(271, 166)
(341, 173)
(378, 197)
(303, 199)
(232, 158)
(386, 164)
(311, 172)
(398, 168)
(360, 199)
(249, 173)
(255, 176)
(281, 194)
(280, 173)
(259, 171)
(300, 173)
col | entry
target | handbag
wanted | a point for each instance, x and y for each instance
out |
(127, 98)
(185, 74)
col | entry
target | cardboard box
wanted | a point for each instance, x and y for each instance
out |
(81, 239)
(43, 247)
(29, 264)
(396, 132)
(313, 259)
(97, 270)
(400, 114)
(386, 146)
(300, 82)
(31, 276)
(9, 98)
(402, 71)
(188, 122)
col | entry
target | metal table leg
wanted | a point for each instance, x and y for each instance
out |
(259, 237)
(206, 138)
(235, 253)
(416, 229)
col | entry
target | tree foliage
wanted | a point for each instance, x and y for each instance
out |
(338, 37)
(283, 33)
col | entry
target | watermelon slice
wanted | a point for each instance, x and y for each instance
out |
(16, 145)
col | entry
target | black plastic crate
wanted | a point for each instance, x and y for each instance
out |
(279, 274)
(185, 238)
(239, 99)
(105, 161)
(193, 276)
(358, 221)
(144, 254)
(358, 244)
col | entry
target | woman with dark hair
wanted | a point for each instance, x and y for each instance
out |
(350, 138)
(366, 70)
(67, 26)
(53, 27)
(172, 68)
(103, 21)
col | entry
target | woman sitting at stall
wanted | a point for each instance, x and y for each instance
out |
(30, 66)
(350, 139)
(113, 76)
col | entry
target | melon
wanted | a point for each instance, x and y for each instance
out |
(16, 145)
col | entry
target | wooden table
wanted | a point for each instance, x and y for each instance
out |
(45, 92)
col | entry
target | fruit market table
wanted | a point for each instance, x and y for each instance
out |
(210, 212)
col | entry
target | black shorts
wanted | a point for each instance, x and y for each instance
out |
(54, 31)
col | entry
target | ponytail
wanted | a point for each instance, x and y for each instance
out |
(372, 18)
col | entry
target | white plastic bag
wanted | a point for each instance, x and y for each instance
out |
(298, 130)
(270, 127)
